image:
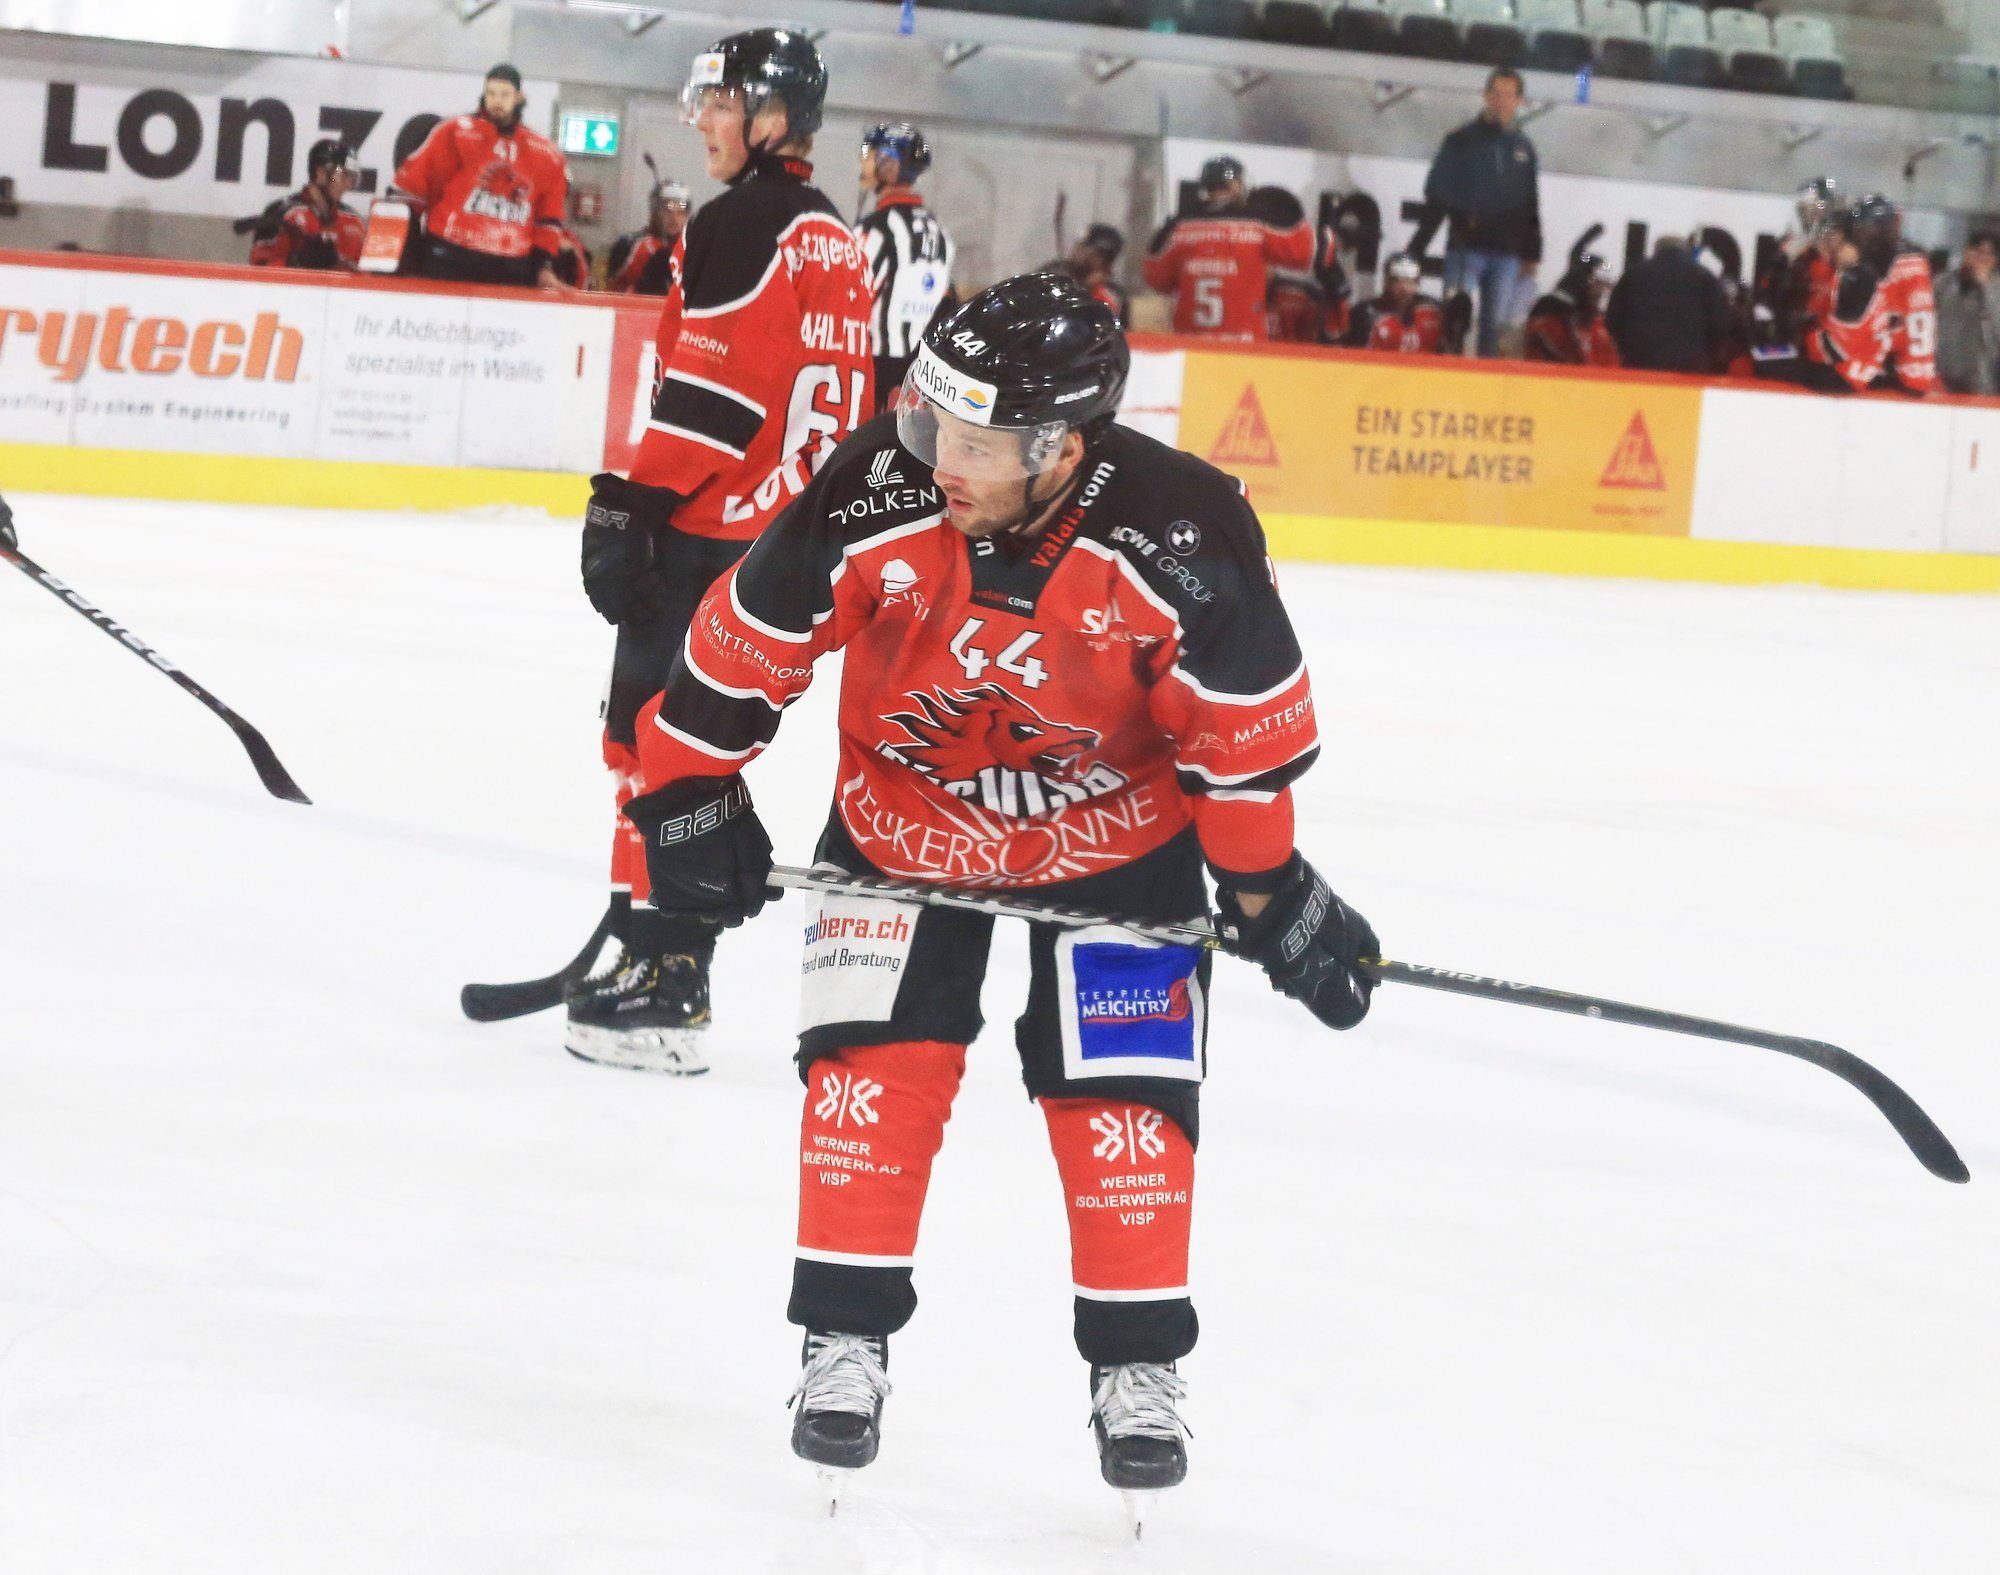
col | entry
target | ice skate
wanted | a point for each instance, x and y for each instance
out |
(837, 1407)
(648, 1014)
(1141, 1440)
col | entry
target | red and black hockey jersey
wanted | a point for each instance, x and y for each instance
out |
(647, 268)
(1217, 268)
(488, 190)
(294, 233)
(1414, 328)
(1012, 713)
(1909, 304)
(1558, 329)
(764, 352)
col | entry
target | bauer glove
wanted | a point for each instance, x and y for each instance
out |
(707, 856)
(618, 530)
(1308, 942)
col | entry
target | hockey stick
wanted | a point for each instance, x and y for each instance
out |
(276, 779)
(492, 1003)
(1931, 1147)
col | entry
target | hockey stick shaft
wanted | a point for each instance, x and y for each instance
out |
(270, 771)
(1932, 1148)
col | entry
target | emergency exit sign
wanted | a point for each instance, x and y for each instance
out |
(590, 135)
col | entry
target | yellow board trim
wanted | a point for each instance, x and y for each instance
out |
(1601, 554)
(307, 483)
(314, 483)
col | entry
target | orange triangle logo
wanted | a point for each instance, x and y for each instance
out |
(1635, 462)
(1246, 435)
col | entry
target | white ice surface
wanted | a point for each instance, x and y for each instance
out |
(301, 1272)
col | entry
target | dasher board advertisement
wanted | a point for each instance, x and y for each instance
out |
(186, 362)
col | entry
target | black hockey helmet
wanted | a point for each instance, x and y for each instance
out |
(1586, 268)
(1035, 356)
(1107, 240)
(1219, 172)
(764, 63)
(331, 152)
(904, 143)
(1875, 226)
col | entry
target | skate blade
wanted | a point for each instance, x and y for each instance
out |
(672, 1052)
(833, 1483)
(1138, 1507)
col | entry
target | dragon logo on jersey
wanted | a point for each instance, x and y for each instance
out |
(992, 747)
(501, 194)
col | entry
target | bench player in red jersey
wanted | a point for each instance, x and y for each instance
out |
(1877, 327)
(492, 192)
(764, 366)
(1068, 673)
(314, 227)
(1216, 263)
(1401, 319)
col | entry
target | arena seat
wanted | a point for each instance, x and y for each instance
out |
(1617, 30)
(1680, 34)
(1489, 32)
(1364, 25)
(1556, 40)
(1217, 18)
(1818, 68)
(1302, 22)
(1425, 28)
(1751, 60)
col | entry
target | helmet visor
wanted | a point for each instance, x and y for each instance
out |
(964, 446)
(707, 84)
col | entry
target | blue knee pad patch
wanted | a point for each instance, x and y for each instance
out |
(1129, 1008)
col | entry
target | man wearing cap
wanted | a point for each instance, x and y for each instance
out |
(492, 192)
(313, 228)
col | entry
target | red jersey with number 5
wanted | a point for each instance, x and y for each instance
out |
(1217, 267)
(1012, 713)
(764, 358)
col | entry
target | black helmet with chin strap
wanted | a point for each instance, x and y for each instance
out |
(1035, 356)
(764, 63)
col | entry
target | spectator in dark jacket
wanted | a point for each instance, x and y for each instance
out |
(1668, 313)
(1484, 179)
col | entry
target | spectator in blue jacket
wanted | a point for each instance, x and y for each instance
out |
(1484, 179)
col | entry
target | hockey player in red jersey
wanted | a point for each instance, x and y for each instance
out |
(314, 227)
(1879, 327)
(1567, 324)
(644, 266)
(1067, 673)
(492, 192)
(1400, 319)
(1216, 264)
(764, 367)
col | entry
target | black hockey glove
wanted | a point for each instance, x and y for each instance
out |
(706, 853)
(1308, 942)
(618, 573)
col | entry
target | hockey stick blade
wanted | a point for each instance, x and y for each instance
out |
(1913, 1125)
(270, 771)
(494, 1003)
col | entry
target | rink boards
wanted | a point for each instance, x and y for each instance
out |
(239, 385)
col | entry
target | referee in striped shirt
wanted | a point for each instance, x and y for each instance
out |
(909, 254)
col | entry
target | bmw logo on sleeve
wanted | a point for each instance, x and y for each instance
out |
(1129, 1009)
(1184, 536)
